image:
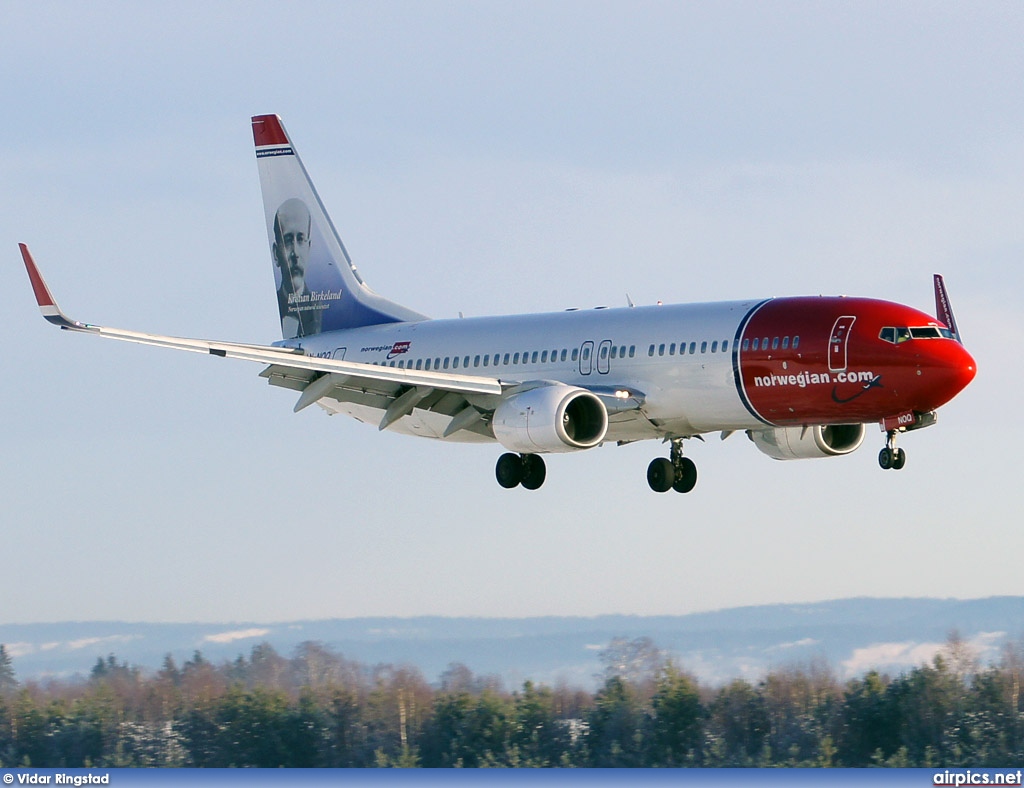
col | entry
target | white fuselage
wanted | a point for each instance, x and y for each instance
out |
(684, 393)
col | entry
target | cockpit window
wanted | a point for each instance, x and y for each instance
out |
(898, 334)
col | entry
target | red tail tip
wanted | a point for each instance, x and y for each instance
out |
(267, 130)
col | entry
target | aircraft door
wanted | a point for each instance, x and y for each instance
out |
(603, 352)
(339, 354)
(838, 341)
(586, 358)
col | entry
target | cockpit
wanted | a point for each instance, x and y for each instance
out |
(896, 335)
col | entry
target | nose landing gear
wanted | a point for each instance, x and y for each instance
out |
(890, 456)
(677, 473)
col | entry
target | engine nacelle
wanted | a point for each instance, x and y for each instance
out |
(550, 418)
(804, 443)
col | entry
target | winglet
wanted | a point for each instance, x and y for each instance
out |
(44, 298)
(943, 309)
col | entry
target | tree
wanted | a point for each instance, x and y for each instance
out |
(677, 720)
(616, 725)
(8, 683)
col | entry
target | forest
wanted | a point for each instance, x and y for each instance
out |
(318, 709)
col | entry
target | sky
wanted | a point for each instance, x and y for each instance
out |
(492, 158)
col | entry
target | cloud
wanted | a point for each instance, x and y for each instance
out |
(236, 634)
(802, 643)
(75, 645)
(19, 649)
(890, 655)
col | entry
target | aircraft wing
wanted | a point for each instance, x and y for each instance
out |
(290, 367)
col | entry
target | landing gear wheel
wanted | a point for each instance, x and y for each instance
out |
(890, 456)
(509, 470)
(534, 471)
(685, 475)
(661, 474)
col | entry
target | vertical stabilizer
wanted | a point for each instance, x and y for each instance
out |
(318, 288)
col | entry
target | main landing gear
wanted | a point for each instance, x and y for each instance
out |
(890, 456)
(677, 473)
(525, 469)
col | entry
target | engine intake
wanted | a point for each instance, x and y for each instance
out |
(804, 443)
(550, 418)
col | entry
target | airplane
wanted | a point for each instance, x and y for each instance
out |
(801, 376)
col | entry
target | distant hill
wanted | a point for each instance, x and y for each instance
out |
(852, 635)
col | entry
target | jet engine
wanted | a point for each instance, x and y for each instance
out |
(550, 418)
(803, 443)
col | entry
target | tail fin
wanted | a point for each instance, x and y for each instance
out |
(318, 288)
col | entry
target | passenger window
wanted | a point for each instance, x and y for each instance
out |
(563, 354)
(775, 343)
(505, 360)
(650, 350)
(632, 351)
(672, 349)
(757, 343)
(487, 358)
(704, 346)
(725, 345)
(401, 365)
(693, 348)
(796, 342)
(575, 354)
(455, 363)
(515, 359)
(714, 346)
(544, 357)
(746, 343)
(446, 362)
(764, 343)
(615, 351)
(622, 351)
(604, 351)
(533, 358)
(419, 363)
(785, 343)
(661, 349)
(476, 361)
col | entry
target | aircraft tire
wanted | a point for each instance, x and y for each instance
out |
(885, 458)
(509, 470)
(534, 471)
(661, 474)
(686, 479)
(899, 459)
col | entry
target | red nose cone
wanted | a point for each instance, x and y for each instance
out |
(948, 371)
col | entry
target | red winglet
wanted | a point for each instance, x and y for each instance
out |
(44, 298)
(943, 309)
(267, 130)
(42, 292)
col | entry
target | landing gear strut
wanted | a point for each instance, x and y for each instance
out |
(525, 469)
(677, 473)
(890, 456)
